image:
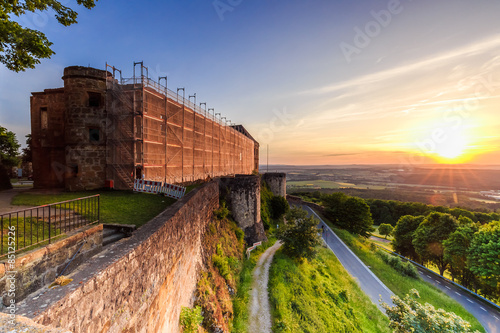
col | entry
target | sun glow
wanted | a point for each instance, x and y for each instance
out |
(453, 147)
(449, 144)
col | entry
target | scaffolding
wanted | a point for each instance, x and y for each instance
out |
(156, 134)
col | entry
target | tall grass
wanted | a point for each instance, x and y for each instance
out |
(319, 296)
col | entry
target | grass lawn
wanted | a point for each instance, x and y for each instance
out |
(123, 207)
(319, 296)
(401, 285)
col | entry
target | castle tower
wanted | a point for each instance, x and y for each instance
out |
(85, 131)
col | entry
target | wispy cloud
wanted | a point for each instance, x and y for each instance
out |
(434, 61)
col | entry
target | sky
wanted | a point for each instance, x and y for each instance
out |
(315, 82)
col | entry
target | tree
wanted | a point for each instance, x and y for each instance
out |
(9, 148)
(429, 236)
(385, 229)
(300, 235)
(356, 217)
(27, 155)
(22, 48)
(333, 206)
(350, 213)
(279, 206)
(408, 315)
(403, 236)
(484, 258)
(456, 248)
(8, 156)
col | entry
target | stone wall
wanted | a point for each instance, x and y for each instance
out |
(276, 182)
(242, 193)
(294, 200)
(85, 130)
(96, 129)
(140, 283)
(40, 267)
(48, 107)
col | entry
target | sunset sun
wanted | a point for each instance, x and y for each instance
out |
(453, 147)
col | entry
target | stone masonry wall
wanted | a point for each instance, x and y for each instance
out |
(276, 182)
(242, 194)
(40, 267)
(85, 130)
(147, 278)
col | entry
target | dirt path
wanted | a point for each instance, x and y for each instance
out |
(260, 316)
(6, 197)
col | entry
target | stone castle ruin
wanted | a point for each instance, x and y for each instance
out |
(102, 131)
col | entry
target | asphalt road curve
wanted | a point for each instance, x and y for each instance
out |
(487, 315)
(368, 282)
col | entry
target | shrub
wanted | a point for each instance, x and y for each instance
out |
(405, 268)
(240, 234)
(222, 212)
(408, 315)
(190, 319)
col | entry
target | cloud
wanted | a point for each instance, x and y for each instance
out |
(435, 61)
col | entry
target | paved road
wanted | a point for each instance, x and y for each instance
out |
(370, 284)
(487, 315)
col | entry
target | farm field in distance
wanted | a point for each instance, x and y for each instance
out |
(446, 185)
(319, 184)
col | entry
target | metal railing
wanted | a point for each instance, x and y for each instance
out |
(28, 227)
(147, 82)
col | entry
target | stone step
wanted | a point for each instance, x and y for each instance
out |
(115, 237)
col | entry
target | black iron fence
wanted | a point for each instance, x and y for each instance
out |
(28, 227)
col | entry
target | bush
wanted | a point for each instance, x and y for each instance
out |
(190, 319)
(408, 315)
(222, 212)
(405, 268)
(300, 235)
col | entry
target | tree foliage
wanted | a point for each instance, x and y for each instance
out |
(484, 254)
(279, 206)
(300, 235)
(408, 315)
(9, 148)
(429, 236)
(350, 213)
(456, 250)
(403, 236)
(385, 229)
(27, 155)
(21, 47)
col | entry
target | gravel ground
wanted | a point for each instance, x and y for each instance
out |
(260, 316)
